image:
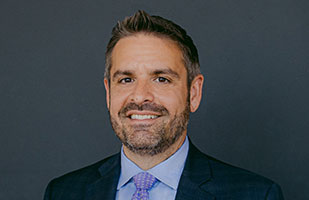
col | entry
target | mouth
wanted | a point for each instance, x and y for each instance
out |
(145, 113)
(143, 117)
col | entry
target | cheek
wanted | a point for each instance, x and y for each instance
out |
(173, 100)
(117, 101)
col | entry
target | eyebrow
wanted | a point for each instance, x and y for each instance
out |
(121, 73)
(166, 71)
(155, 72)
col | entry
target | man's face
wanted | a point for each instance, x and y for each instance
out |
(147, 96)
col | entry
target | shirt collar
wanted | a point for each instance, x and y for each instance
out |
(168, 171)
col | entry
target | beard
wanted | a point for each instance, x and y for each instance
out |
(150, 139)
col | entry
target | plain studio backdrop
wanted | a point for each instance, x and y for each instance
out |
(53, 116)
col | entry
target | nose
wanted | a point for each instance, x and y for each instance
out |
(142, 92)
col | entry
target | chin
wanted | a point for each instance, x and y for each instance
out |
(143, 139)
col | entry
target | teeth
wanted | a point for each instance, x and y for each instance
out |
(143, 116)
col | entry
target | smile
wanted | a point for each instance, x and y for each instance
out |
(141, 117)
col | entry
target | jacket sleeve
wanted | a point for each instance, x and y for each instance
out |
(274, 193)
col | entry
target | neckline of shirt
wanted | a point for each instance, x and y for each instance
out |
(167, 172)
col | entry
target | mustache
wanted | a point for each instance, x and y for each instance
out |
(145, 106)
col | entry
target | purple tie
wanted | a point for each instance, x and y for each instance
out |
(143, 182)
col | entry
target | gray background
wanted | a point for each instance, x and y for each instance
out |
(254, 112)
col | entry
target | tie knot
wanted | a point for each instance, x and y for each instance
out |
(144, 180)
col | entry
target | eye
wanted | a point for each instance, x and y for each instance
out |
(126, 80)
(162, 80)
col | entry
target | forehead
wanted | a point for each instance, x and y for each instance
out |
(146, 51)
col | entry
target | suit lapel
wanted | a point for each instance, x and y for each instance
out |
(105, 186)
(196, 174)
(195, 179)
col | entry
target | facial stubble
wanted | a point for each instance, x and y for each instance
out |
(145, 139)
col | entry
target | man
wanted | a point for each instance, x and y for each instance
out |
(152, 83)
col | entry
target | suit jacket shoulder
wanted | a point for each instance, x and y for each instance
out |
(205, 177)
(83, 183)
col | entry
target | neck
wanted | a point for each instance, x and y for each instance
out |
(146, 162)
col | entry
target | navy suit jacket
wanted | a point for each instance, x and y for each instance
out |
(203, 178)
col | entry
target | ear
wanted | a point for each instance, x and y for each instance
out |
(106, 85)
(196, 92)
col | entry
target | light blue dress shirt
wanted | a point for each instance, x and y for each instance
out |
(167, 172)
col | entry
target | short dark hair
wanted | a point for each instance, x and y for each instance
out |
(141, 22)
